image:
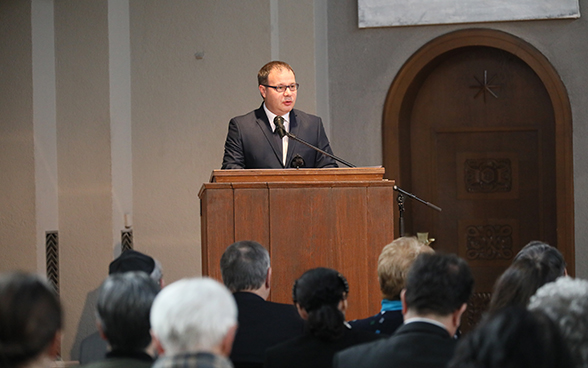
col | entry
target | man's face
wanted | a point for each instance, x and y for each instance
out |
(280, 103)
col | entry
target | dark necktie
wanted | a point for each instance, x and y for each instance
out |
(279, 133)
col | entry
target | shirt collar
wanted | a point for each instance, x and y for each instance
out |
(271, 116)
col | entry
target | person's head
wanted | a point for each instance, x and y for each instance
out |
(519, 282)
(320, 295)
(438, 286)
(277, 74)
(122, 310)
(394, 263)
(245, 266)
(30, 320)
(131, 260)
(543, 252)
(565, 301)
(193, 315)
(513, 338)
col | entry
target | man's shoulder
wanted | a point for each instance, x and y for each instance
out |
(250, 116)
(301, 115)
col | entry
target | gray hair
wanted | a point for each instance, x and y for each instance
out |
(565, 301)
(244, 266)
(123, 306)
(193, 315)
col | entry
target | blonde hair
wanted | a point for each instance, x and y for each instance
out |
(394, 263)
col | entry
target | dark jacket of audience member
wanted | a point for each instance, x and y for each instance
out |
(246, 271)
(30, 321)
(438, 287)
(320, 296)
(393, 265)
(513, 338)
(123, 308)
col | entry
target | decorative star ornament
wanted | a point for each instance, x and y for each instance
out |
(485, 86)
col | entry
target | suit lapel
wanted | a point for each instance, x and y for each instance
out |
(294, 126)
(273, 139)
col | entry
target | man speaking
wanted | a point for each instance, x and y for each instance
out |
(254, 141)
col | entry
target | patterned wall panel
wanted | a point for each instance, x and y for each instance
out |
(126, 240)
(52, 258)
(487, 175)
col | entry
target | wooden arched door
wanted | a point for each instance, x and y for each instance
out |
(476, 131)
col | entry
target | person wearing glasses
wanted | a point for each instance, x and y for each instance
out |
(254, 140)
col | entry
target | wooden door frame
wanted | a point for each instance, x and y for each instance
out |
(401, 96)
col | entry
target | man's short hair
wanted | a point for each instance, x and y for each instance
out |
(565, 301)
(193, 315)
(30, 318)
(244, 266)
(123, 306)
(394, 263)
(264, 72)
(438, 284)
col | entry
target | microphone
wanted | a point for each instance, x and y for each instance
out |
(279, 121)
(297, 162)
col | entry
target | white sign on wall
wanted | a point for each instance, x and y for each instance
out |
(386, 13)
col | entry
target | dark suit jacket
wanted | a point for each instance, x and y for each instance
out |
(251, 143)
(414, 345)
(311, 352)
(262, 324)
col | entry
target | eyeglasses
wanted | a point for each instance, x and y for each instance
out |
(292, 87)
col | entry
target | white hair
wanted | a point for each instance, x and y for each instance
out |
(192, 315)
(565, 301)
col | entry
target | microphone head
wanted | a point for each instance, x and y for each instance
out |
(279, 122)
(297, 162)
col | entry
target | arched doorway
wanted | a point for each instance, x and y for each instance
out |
(478, 122)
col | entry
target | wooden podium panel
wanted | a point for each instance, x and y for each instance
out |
(336, 218)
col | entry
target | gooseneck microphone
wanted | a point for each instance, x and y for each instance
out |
(279, 121)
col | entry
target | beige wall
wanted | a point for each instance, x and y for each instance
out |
(17, 170)
(179, 108)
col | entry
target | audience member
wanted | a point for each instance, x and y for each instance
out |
(519, 282)
(565, 301)
(544, 252)
(30, 321)
(393, 265)
(94, 347)
(438, 287)
(124, 303)
(320, 295)
(193, 323)
(246, 271)
(513, 338)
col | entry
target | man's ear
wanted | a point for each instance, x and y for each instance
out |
(268, 278)
(262, 91)
(303, 313)
(54, 348)
(157, 344)
(101, 331)
(227, 343)
(403, 300)
(456, 317)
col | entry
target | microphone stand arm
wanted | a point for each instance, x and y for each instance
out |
(400, 200)
(290, 135)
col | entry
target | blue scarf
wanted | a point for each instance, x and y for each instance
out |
(391, 305)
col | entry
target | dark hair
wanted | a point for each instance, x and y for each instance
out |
(123, 307)
(319, 292)
(543, 252)
(264, 72)
(438, 284)
(244, 266)
(513, 338)
(30, 318)
(519, 282)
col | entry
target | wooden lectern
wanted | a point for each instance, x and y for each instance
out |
(337, 218)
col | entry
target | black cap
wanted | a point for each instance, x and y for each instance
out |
(131, 260)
